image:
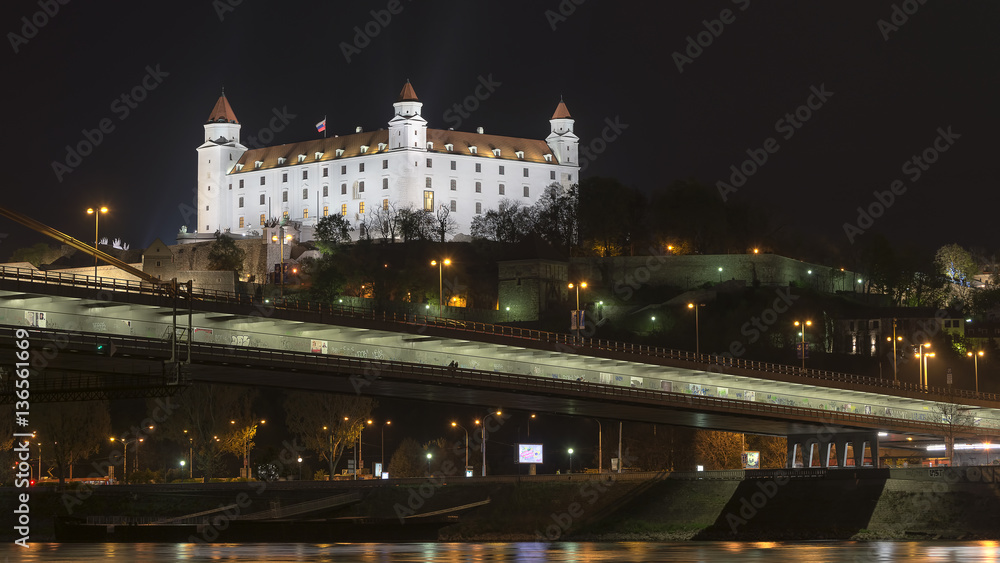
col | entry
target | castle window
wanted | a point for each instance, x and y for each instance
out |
(453, 165)
(430, 146)
(454, 205)
(569, 177)
(339, 152)
(501, 170)
(284, 196)
(479, 167)
(284, 177)
(428, 183)
(319, 155)
(501, 189)
(385, 164)
(454, 185)
(385, 183)
(496, 152)
(262, 199)
(326, 210)
(282, 160)
(449, 147)
(257, 163)
(526, 191)
(241, 226)
(230, 187)
(479, 187)
(381, 147)
(302, 158)
(326, 172)
(284, 215)
(385, 205)
(241, 184)
(262, 180)
(343, 209)
(364, 149)
(479, 208)
(552, 174)
(305, 213)
(519, 154)
(361, 207)
(239, 166)
(361, 186)
(261, 219)
(241, 202)
(525, 172)
(305, 193)
(430, 163)
(326, 191)
(305, 174)
(428, 200)
(473, 149)
(548, 158)
(343, 189)
(361, 167)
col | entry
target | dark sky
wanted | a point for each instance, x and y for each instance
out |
(609, 60)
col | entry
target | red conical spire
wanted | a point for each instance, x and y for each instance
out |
(407, 94)
(562, 112)
(222, 111)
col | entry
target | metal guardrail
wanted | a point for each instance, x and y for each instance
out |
(467, 328)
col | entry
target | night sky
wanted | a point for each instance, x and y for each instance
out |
(611, 61)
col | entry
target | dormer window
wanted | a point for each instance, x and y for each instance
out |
(257, 164)
(496, 152)
(239, 166)
(548, 158)
(473, 149)
(302, 158)
(364, 149)
(340, 152)
(519, 154)
(282, 160)
(449, 147)
(430, 145)
(381, 146)
(319, 155)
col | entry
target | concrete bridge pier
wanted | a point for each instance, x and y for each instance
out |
(830, 450)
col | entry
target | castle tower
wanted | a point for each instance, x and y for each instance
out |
(216, 157)
(407, 129)
(563, 142)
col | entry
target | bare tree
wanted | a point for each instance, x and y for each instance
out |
(72, 431)
(415, 224)
(957, 420)
(718, 450)
(327, 423)
(386, 220)
(443, 223)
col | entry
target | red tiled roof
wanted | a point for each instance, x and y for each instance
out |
(222, 111)
(562, 112)
(534, 149)
(407, 94)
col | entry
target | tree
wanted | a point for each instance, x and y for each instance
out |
(509, 223)
(556, 215)
(408, 460)
(609, 211)
(443, 223)
(956, 264)
(956, 418)
(224, 255)
(325, 277)
(331, 232)
(239, 441)
(72, 431)
(326, 422)
(415, 224)
(718, 450)
(385, 220)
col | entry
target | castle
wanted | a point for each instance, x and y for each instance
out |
(406, 165)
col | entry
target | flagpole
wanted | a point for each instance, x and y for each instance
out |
(324, 126)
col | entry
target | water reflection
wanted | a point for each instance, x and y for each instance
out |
(772, 552)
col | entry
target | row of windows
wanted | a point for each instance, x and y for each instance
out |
(385, 165)
(385, 185)
(428, 199)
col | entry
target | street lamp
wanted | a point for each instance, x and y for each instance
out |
(697, 339)
(576, 312)
(382, 455)
(920, 362)
(360, 461)
(927, 381)
(124, 456)
(428, 463)
(96, 212)
(457, 425)
(571, 460)
(441, 264)
(600, 453)
(802, 326)
(720, 275)
(300, 468)
(498, 413)
(975, 358)
(894, 339)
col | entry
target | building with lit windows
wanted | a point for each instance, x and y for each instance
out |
(405, 165)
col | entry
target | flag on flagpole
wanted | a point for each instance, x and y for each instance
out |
(321, 126)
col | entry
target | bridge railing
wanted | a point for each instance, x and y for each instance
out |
(579, 345)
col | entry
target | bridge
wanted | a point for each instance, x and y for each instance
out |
(95, 338)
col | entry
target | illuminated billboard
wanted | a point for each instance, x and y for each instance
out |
(529, 453)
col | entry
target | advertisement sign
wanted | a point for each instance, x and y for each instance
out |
(529, 453)
(320, 347)
(751, 460)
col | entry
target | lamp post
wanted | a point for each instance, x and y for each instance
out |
(441, 264)
(697, 339)
(382, 455)
(96, 212)
(358, 468)
(927, 380)
(457, 425)
(300, 468)
(124, 456)
(190, 455)
(571, 460)
(802, 326)
(600, 453)
(576, 312)
(428, 463)
(895, 371)
(485, 418)
(975, 359)
(920, 362)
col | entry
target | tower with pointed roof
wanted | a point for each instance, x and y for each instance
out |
(217, 157)
(407, 129)
(563, 142)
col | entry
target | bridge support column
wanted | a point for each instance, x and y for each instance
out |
(807, 444)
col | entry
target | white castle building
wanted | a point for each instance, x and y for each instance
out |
(407, 164)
